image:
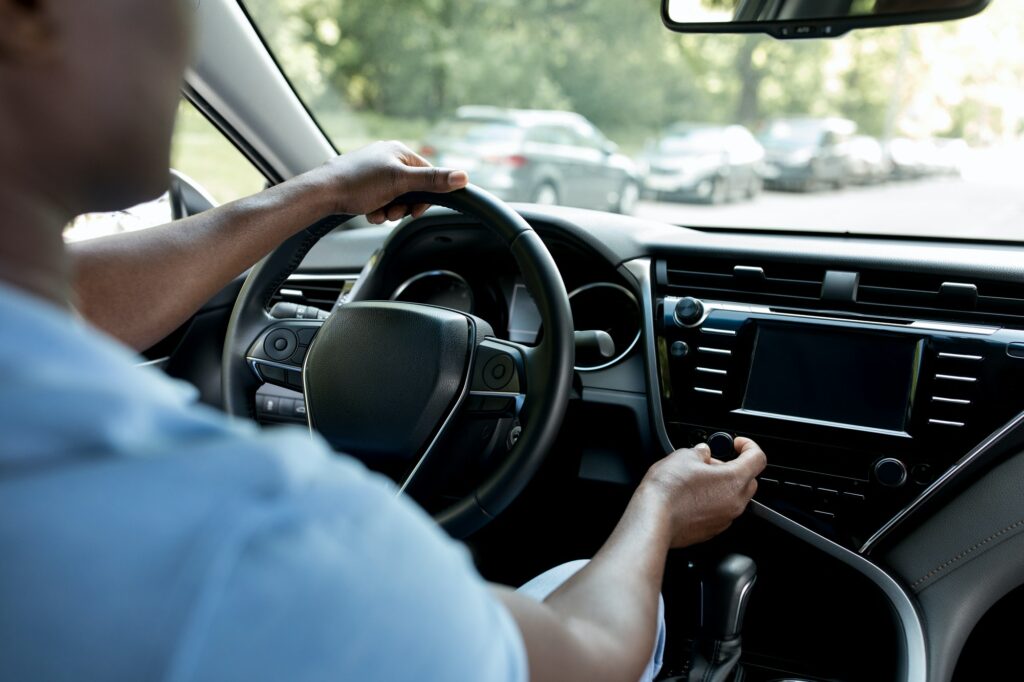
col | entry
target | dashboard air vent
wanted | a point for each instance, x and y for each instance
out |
(320, 291)
(939, 297)
(790, 284)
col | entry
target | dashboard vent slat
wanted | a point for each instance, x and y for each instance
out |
(760, 282)
(941, 297)
(321, 292)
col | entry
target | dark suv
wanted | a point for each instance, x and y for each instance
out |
(805, 154)
(545, 157)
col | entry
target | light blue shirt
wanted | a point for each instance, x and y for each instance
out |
(146, 537)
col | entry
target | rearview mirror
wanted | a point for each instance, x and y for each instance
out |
(807, 18)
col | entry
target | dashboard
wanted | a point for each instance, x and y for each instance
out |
(868, 370)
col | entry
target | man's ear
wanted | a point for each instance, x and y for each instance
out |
(27, 30)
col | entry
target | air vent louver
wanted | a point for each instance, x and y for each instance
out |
(319, 291)
(940, 297)
(746, 281)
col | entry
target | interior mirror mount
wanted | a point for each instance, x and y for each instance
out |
(788, 19)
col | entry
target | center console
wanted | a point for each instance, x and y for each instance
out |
(858, 414)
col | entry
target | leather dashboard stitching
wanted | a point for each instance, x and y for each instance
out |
(973, 548)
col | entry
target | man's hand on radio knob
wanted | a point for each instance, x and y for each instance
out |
(701, 496)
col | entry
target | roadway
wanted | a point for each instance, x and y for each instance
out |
(972, 208)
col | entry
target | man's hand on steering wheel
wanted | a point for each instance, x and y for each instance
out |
(368, 180)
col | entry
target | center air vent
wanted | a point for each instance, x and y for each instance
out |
(744, 281)
(940, 297)
(877, 293)
(320, 291)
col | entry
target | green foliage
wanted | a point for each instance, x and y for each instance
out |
(364, 63)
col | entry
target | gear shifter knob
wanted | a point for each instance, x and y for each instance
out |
(724, 591)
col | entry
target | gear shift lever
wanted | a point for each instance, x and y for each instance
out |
(724, 590)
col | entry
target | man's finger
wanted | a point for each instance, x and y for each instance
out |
(419, 209)
(376, 217)
(431, 179)
(751, 489)
(704, 451)
(395, 212)
(751, 460)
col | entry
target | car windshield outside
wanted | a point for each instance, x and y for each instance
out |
(910, 131)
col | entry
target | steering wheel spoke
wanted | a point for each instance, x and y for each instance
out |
(278, 354)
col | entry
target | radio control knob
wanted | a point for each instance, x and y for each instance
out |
(688, 312)
(721, 444)
(890, 472)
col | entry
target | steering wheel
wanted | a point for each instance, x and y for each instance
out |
(388, 382)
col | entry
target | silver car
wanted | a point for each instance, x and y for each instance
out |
(545, 157)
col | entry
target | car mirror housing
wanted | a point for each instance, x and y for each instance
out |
(787, 19)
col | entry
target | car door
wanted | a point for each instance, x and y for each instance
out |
(745, 155)
(600, 181)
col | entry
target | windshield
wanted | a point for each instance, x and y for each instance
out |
(911, 131)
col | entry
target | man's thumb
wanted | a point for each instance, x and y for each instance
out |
(430, 179)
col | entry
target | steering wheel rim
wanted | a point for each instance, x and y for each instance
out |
(549, 370)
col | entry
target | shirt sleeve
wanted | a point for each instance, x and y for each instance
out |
(341, 580)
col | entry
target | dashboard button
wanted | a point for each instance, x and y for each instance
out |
(890, 472)
(688, 311)
(679, 349)
(721, 444)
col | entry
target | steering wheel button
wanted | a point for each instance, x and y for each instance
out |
(498, 372)
(279, 344)
(298, 356)
(498, 405)
(306, 335)
(272, 374)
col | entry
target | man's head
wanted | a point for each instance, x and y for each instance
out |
(88, 92)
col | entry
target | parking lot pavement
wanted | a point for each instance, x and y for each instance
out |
(938, 207)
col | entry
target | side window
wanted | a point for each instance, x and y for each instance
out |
(550, 135)
(199, 151)
(591, 137)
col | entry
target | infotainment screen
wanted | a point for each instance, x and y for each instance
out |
(842, 377)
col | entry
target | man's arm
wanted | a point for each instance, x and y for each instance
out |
(601, 624)
(140, 286)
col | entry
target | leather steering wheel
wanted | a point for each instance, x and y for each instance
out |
(386, 381)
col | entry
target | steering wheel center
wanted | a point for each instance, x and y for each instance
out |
(382, 376)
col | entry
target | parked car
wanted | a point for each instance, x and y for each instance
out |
(805, 154)
(544, 157)
(910, 158)
(950, 156)
(704, 162)
(869, 162)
